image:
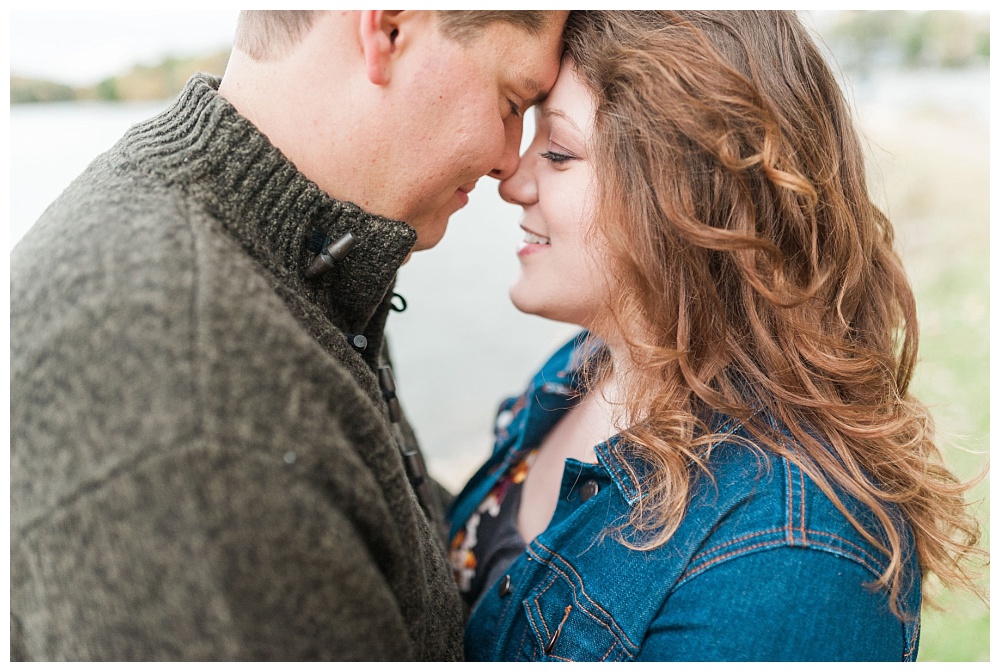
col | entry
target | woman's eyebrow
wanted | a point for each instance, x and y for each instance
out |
(546, 111)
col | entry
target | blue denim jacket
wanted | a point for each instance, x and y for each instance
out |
(763, 566)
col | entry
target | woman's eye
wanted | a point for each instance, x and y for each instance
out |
(555, 157)
(514, 109)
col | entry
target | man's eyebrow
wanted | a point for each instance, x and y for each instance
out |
(532, 86)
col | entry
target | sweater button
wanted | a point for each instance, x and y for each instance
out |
(588, 490)
(504, 588)
(357, 341)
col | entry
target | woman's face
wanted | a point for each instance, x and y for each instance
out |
(563, 274)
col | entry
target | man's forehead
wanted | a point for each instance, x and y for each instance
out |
(536, 91)
(529, 60)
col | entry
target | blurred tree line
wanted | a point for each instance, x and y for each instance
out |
(141, 82)
(863, 40)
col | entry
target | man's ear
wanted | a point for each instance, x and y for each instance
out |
(379, 30)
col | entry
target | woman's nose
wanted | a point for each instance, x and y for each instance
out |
(519, 187)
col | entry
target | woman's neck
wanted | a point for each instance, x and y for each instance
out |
(608, 394)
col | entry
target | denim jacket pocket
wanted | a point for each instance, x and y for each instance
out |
(565, 624)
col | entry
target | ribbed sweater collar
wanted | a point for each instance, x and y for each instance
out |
(203, 144)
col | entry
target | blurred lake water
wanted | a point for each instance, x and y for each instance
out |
(460, 346)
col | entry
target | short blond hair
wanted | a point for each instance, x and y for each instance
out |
(465, 25)
(267, 34)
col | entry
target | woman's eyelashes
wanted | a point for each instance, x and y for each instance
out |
(514, 108)
(556, 157)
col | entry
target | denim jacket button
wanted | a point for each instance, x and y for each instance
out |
(504, 588)
(588, 490)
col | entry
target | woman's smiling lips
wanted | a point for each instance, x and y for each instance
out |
(531, 243)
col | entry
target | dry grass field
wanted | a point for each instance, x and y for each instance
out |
(931, 167)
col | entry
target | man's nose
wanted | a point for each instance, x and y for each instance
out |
(509, 158)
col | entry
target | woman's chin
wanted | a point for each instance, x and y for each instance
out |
(533, 305)
(524, 303)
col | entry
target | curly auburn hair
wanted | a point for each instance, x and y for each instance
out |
(753, 272)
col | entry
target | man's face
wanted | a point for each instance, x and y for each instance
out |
(462, 118)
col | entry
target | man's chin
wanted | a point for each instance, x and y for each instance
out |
(429, 233)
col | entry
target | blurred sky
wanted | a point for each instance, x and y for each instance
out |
(83, 47)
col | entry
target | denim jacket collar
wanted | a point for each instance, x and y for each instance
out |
(608, 600)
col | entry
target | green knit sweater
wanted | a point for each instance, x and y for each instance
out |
(201, 465)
